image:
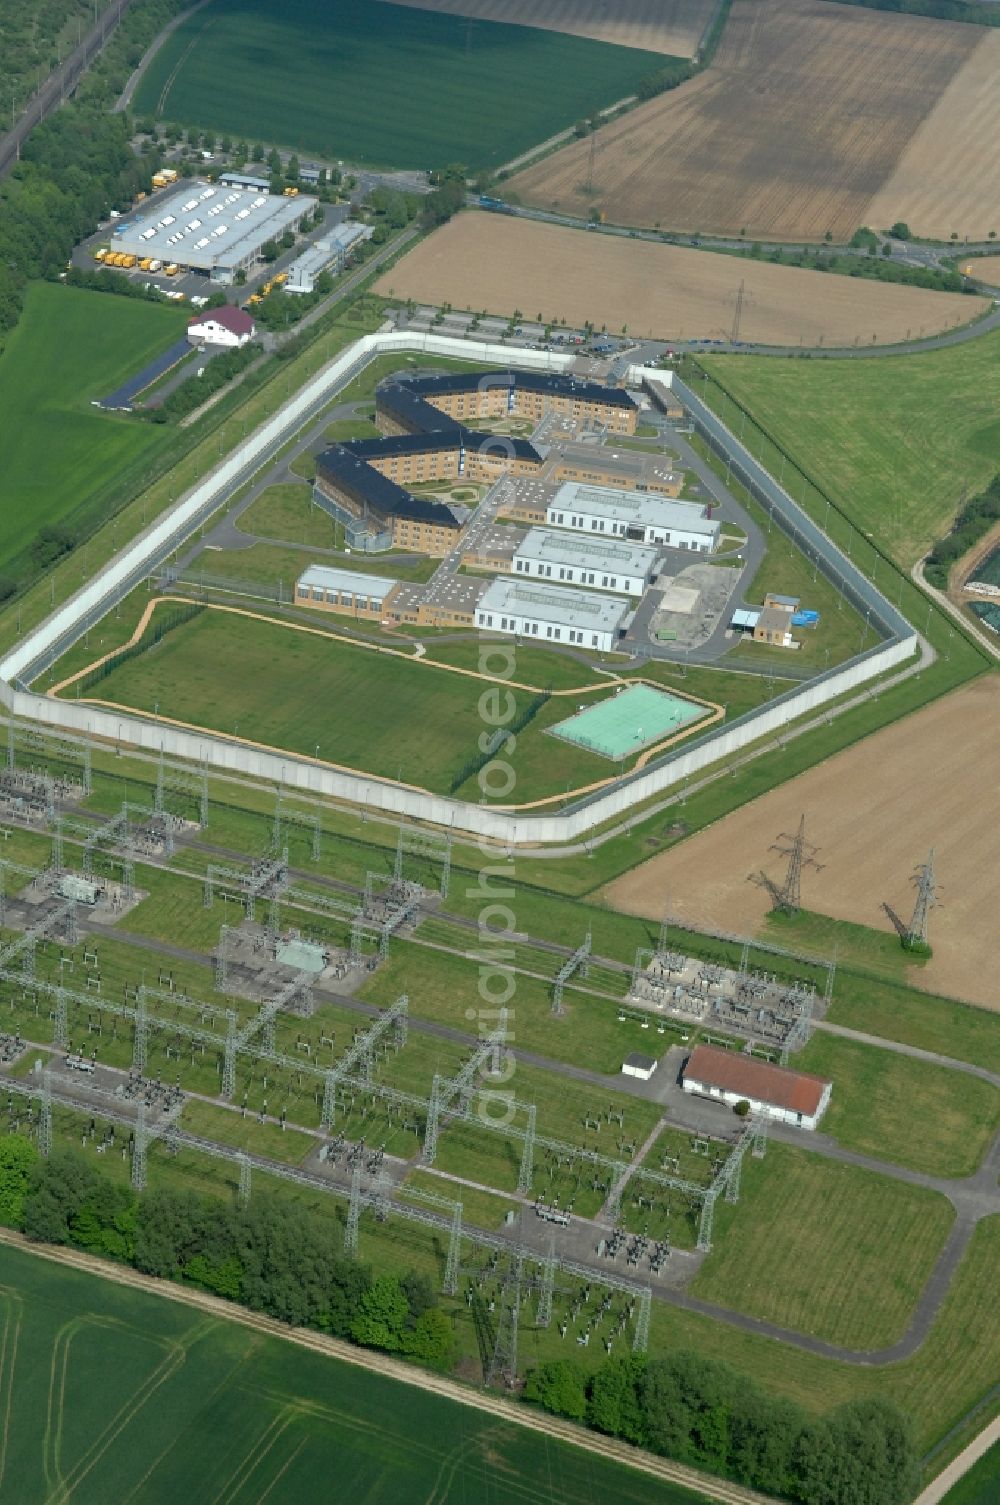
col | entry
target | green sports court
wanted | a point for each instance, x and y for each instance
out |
(627, 722)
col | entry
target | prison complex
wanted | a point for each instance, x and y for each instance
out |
(365, 483)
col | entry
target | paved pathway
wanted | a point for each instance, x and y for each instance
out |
(961, 1465)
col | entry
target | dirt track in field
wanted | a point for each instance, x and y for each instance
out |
(948, 178)
(672, 27)
(407, 1374)
(874, 811)
(497, 263)
(801, 119)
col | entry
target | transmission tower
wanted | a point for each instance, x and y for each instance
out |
(738, 315)
(787, 897)
(503, 1360)
(923, 878)
(590, 163)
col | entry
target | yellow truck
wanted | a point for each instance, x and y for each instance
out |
(144, 264)
(101, 254)
(280, 278)
(291, 193)
(171, 269)
(128, 260)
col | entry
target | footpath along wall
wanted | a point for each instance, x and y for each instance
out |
(508, 826)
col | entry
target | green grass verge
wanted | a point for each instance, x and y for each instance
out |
(308, 76)
(955, 1365)
(894, 1108)
(274, 570)
(830, 1250)
(71, 347)
(287, 688)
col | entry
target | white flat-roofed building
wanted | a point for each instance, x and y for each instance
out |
(555, 613)
(638, 516)
(326, 255)
(572, 559)
(350, 591)
(214, 228)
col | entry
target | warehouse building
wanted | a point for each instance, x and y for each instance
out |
(216, 229)
(556, 613)
(548, 554)
(326, 255)
(636, 516)
(345, 591)
(731, 1077)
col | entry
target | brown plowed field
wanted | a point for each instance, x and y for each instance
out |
(948, 178)
(492, 262)
(874, 811)
(985, 268)
(673, 27)
(800, 120)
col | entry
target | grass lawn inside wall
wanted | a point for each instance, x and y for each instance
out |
(382, 85)
(264, 682)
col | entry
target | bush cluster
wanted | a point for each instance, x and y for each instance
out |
(976, 518)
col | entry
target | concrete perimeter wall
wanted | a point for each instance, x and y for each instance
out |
(147, 552)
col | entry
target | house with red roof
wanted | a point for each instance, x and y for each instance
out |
(731, 1076)
(228, 325)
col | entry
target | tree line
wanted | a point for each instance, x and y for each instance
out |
(273, 1256)
(75, 167)
(702, 1412)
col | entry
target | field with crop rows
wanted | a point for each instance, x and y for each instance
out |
(382, 85)
(873, 811)
(490, 261)
(113, 1394)
(792, 131)
(669, 26)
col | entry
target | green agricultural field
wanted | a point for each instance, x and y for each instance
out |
(71, 347)
(380, 84)
(829, 1250)
(288, 689)
(115, 1394)
(898, 442)
(891, 1107)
